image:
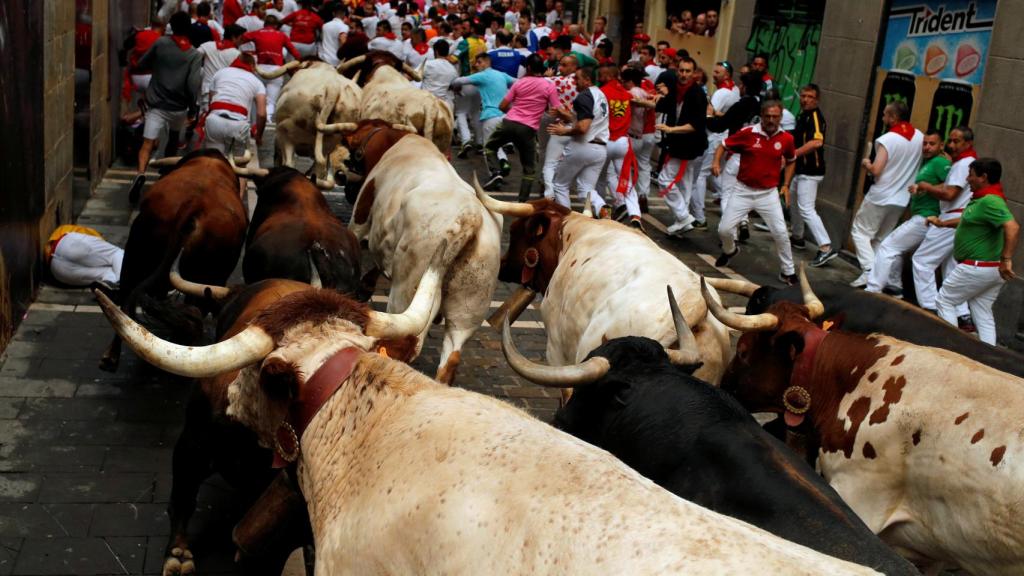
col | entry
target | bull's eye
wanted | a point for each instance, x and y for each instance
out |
(540, 230)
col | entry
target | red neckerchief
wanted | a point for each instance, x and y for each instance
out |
(225, 44)
(969, 153)
(903, 128)
(726, 83)
(421, 49)
(238, 63)
(648, 86)
(389, 35)
(182, 41)
(683, 89)
(579, 39)
(767, 77)
(990, 190)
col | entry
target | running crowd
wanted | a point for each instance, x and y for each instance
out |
(539, 84)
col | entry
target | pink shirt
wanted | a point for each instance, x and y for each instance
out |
(529, 97)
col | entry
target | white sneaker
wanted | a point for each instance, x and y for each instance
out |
(861, 280)
(682, 226)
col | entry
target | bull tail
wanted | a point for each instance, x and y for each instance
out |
(334, 269)
(327, 105)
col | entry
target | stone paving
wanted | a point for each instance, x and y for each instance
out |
(85, 455)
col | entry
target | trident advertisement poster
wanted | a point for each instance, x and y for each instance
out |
(941, 39)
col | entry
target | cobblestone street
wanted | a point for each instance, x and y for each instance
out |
(85, 455)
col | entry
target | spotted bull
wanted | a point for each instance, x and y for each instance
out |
(923, 443)
(193, 210)
(209, 442)
(597, 278)
(696, 441)
(411, 200)
(293, 230)
(404, 475)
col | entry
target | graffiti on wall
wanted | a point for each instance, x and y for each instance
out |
(792, 49)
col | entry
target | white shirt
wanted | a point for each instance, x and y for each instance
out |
(551, 17)
(382, 8)
(215, 59)
(382, 43)
(438, 75)
(250, 22)
(904, 158)
(236, 86)
(723, 98)
(599, 124)
(788, 120)
(329, 45)
(957, 177)
(414, 58)
(511, 19)
(584, 49)
(370, 26)
(289, 7)
(653, 72)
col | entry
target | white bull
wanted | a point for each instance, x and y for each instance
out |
(411, 200)
(389, 96)
(602, 280)
(316, 94)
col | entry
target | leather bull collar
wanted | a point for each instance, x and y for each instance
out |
(797, 398)
(312, 396)
(360, 153)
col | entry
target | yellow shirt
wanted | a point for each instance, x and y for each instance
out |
(61, 231)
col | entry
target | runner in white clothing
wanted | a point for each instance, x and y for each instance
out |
(897, 157)
(937, 247)
(585, 154)
(217, 55)
(333, 35)
(234, 93)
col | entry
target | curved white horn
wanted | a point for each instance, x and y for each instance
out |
(418, 315)
(412, 72)
(551, 376)
(195, 289)
(588, 207)
(741, 287)
(248, 346)
(314, 274)
(753, 323)
(258, 172)
(165, 162)
(406, 127)
(338, 127)
(499, 206)
(688, 353)
(814, 306)
(279, 71)
(244, 159)
(344, 66)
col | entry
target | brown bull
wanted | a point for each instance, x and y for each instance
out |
(293, 230)
(361, 68)
(193, 210)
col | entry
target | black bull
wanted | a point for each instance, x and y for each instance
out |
(866, 313)
(696, 441)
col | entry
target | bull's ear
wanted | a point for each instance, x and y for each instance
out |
(792, 343)
(279, 378)
(537, 226)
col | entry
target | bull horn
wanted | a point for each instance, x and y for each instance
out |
(344, 66)
(244, 159)
(500, 206)
(258, 172)
(355, 79)
(412, 72)
(688, 353)
(752, 323)
(551, 376)
(814, 306)
(588, 207)
(165, 162)
(195, 289)
(338, 127)
(326, 184)
(314, 274)
(418, 315)
(405, 127)
(248, 346)
(741, 287)
(279, 71)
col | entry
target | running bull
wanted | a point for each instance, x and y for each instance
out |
(597, 278)
(411, 201)
(404, 475)
(194, 210)
(923, 443)
(209, 442)
(697, 442)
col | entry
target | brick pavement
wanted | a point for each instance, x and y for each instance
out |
(85, 456)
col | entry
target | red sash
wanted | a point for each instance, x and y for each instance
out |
(630, 170)
(679, 175)
(201, 125)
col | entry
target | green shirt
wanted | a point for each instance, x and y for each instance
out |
(933, 172)
(979, 236)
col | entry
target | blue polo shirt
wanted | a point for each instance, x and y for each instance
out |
(493, 85)
(506, 60)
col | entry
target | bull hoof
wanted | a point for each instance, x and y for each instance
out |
(446, 374)
(179, 563)
(108, 364)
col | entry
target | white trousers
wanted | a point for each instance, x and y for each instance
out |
(81, 259)
(553, 153)
(642, 148)
(805, 193)
(305, 50)
(697, 184)
(678, 197)
(935, 250)
(273, 89)
(617, 150)
(227, 134)
(766, 203)
(727, 179)
(888, 267)
(871, 224)
(467, 112)
(979, 288)
(582, 162)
